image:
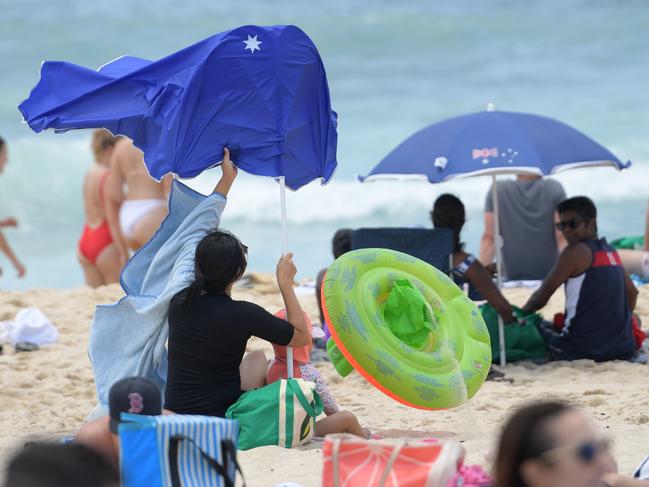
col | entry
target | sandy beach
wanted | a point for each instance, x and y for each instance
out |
(49, 392)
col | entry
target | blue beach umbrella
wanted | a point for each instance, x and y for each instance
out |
(492, 143)
(260, 91)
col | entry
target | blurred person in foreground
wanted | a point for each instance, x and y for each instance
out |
(9, 221)
(97, 252)
(554, 444)
(56, 465)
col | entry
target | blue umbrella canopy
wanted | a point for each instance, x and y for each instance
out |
(492, 142)
(260, 91)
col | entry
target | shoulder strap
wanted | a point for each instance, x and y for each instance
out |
(228, 451)
(312, 410)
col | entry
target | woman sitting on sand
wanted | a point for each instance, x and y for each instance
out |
(448, 212)
(209, 331)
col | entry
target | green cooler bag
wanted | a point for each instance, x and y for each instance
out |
(522, 341)
(282, 413)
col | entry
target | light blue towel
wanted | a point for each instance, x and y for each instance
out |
(128, 338)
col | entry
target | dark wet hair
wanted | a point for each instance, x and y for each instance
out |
(525, 436)
(2, 143)
(342, 242)
(582, 205)
(448, 212)
(219, 260)
(56, 465)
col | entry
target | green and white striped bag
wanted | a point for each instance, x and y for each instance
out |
(282, 413)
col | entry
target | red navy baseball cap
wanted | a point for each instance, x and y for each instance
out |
(134, 395)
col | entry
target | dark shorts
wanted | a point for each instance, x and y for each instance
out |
(555, 343)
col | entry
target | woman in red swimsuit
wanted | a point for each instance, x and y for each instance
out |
(97, 253)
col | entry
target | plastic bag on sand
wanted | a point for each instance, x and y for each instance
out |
(31, 325)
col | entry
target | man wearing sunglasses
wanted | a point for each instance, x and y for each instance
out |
(600, 297)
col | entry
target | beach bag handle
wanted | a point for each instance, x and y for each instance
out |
(312, 411)
(228, 449)
(390, 463)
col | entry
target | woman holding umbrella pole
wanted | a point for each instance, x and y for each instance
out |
(209, 331)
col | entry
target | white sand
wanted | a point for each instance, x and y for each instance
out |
(50, 391)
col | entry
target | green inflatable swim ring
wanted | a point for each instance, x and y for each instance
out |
(441, 368)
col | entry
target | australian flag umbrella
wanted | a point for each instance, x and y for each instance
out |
(260, 91)
(491, 143)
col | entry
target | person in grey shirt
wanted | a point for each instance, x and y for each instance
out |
(527, 209)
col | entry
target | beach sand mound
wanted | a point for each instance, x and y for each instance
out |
(49, 392)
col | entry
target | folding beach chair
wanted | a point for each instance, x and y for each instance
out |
(434, 246)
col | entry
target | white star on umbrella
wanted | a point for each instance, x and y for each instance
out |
(252, 43)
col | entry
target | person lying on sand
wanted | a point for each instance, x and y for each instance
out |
(600, 297)
(134, 395)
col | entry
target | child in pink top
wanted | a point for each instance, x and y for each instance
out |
(302, 367)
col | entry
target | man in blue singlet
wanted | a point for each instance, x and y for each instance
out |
(600, 297)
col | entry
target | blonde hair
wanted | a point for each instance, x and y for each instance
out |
(102, 139)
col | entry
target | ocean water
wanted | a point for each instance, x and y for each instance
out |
(393, 67)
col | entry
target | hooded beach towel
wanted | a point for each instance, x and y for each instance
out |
(128, 338)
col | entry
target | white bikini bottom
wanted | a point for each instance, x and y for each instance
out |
(132, 210)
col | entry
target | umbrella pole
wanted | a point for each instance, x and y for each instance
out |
(282, 199)
(499, 280)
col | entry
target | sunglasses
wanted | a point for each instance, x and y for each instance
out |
(572, 223)
(585, 452)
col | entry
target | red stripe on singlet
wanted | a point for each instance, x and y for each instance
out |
(606, 259)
